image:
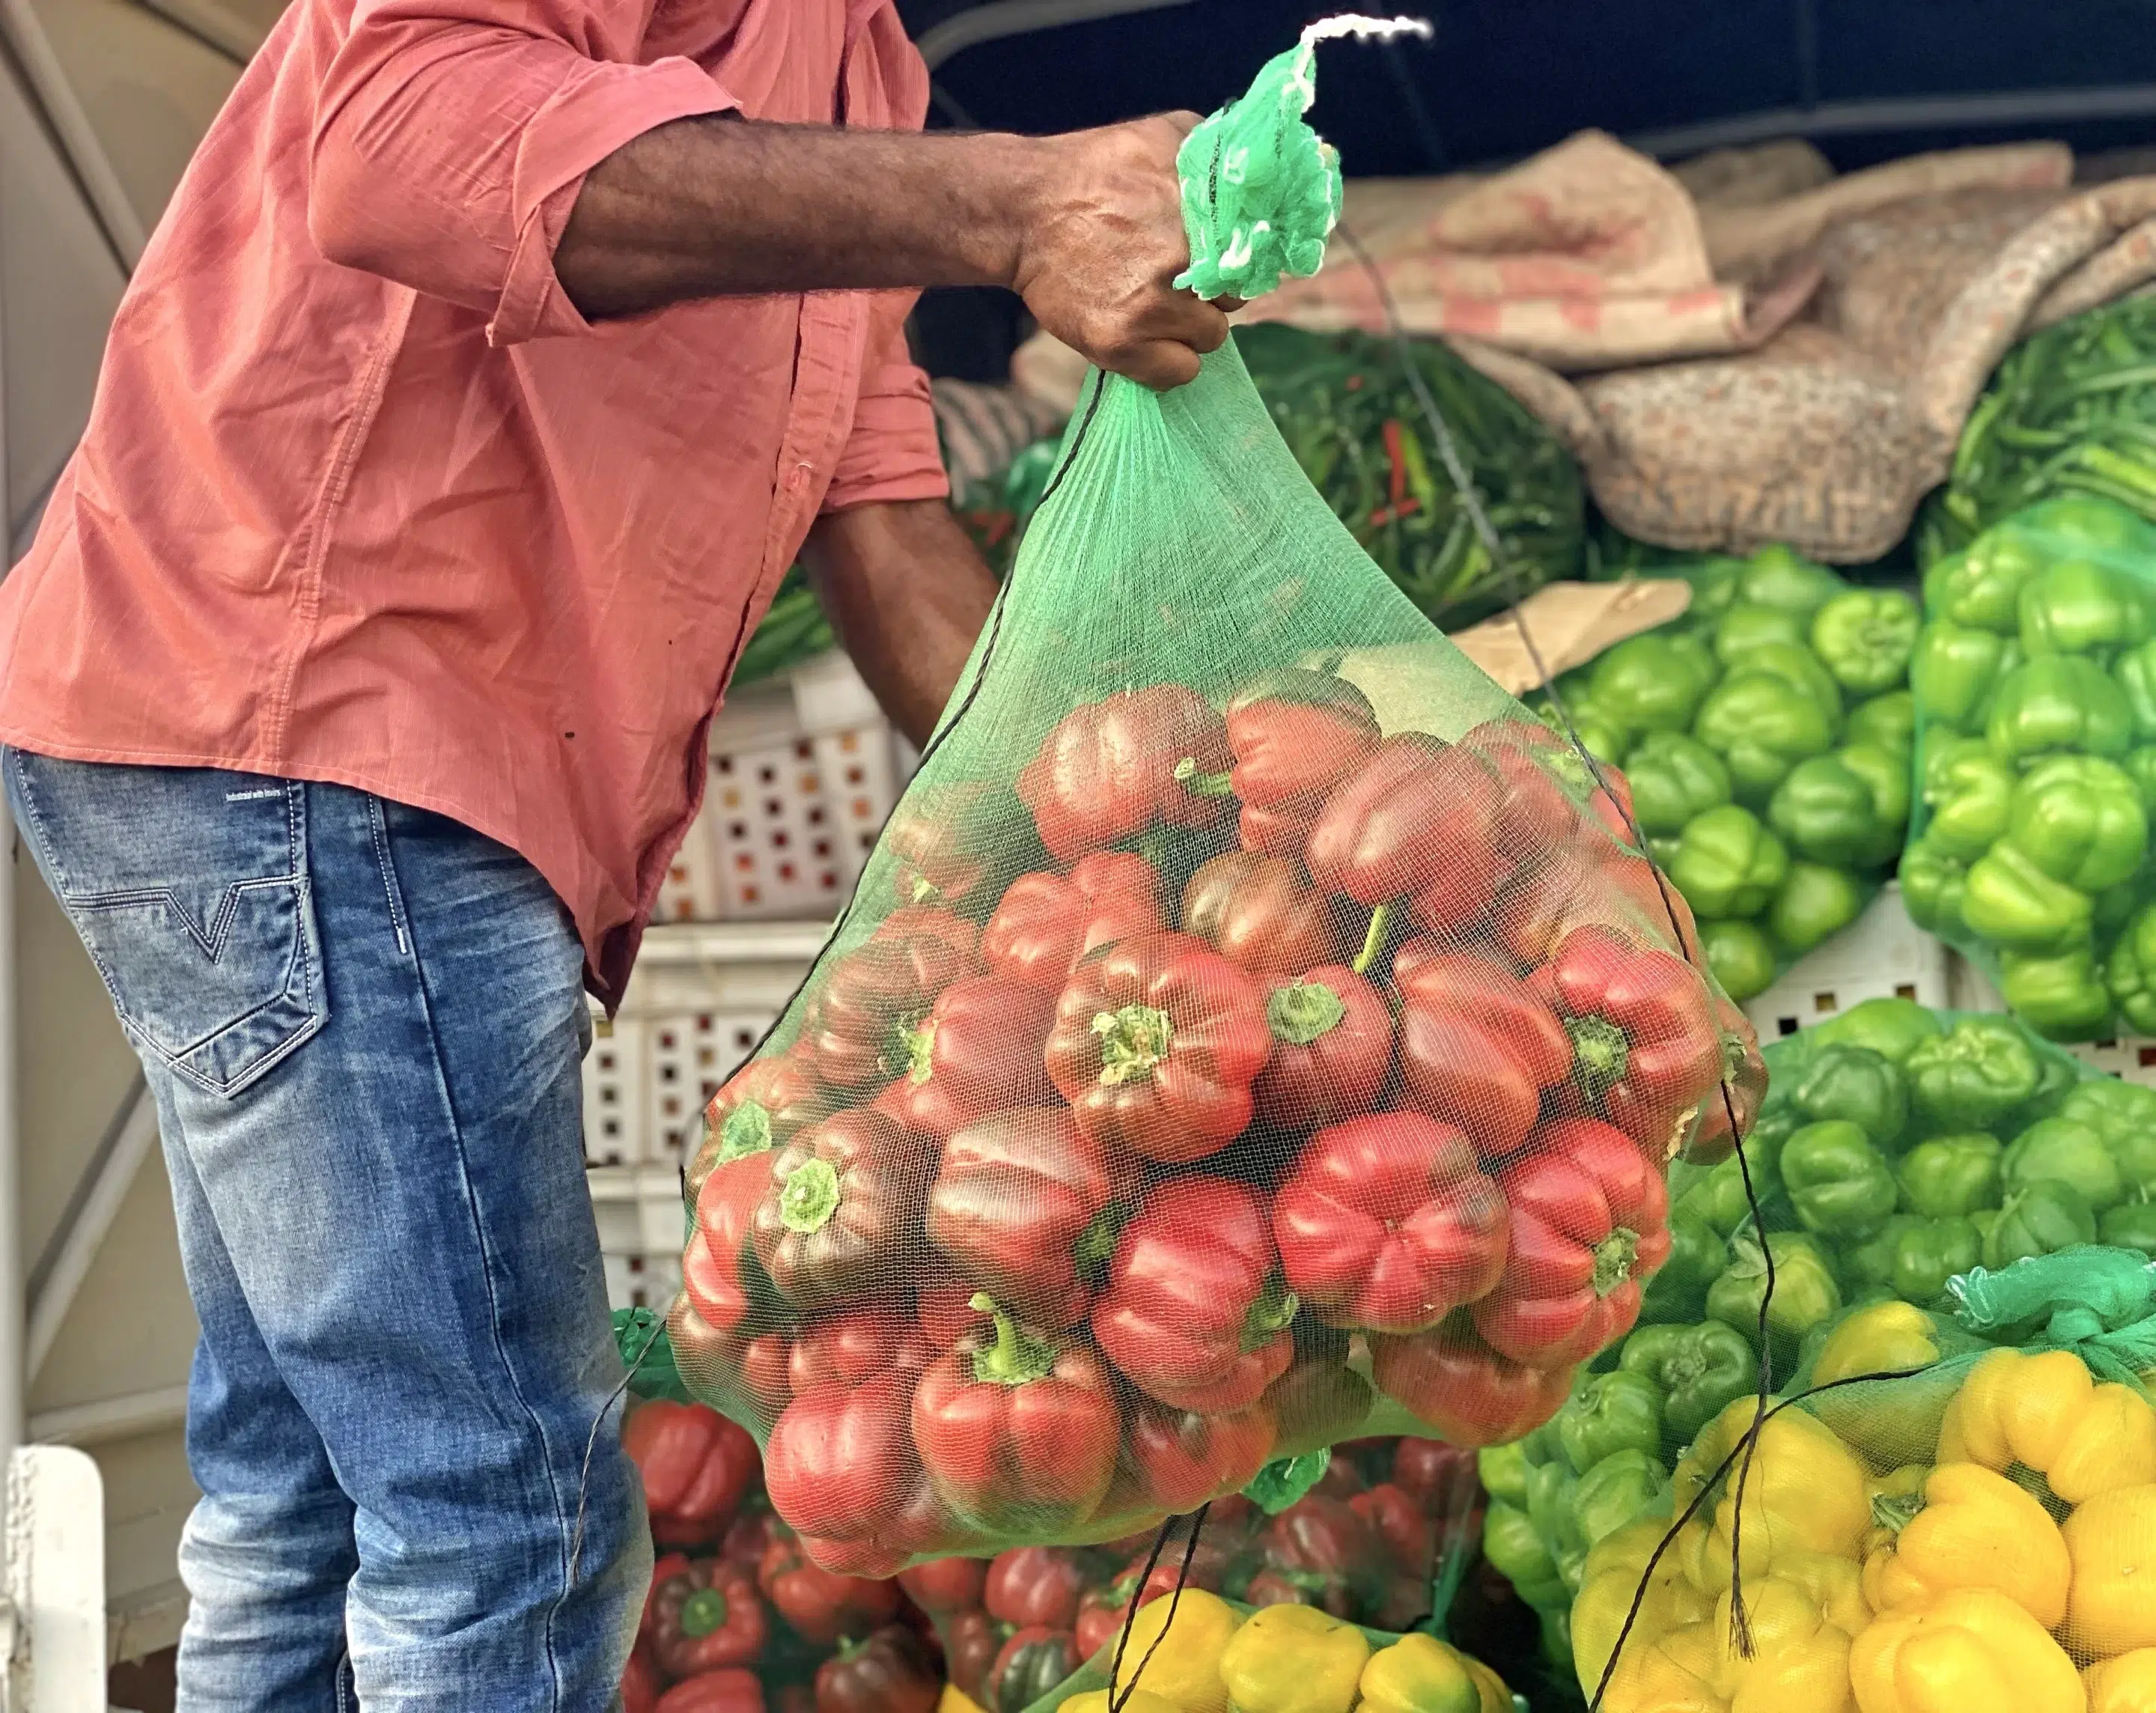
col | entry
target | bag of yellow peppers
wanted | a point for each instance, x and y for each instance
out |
(1199, 1653)
(1975, 1535)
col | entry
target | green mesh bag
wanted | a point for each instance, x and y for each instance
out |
(1253, 1030)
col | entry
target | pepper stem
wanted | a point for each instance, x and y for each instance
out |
(810, 1196)
(1600, 1051)
(746, 1130)
(1275, 1307)
(1016, 1356)
(703, 1613)
(1204, 785)
(1133, 1040)
(1299, 1012)
(920, 1051)
(1896, 1510)
(1613, 1259)
(1373, 938)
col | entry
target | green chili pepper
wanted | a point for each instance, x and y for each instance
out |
(1972, 1076)
(1700, 1369)
(1608, 1413)
(1949, 1177)
(1503, 1469)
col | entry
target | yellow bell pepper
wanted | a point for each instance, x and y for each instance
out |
(1419, 1673)
(2047, 1412)
(1608, 1582)
(1185, 1670)
(1968, 1650)
(1887, 1494)
(2111, 1539)
(1293, 1659)
(2125, 1684)
(1097, 1701)
(1798, 1662)
(1897, 1421)
(1805, 1493)
(1971, 1528)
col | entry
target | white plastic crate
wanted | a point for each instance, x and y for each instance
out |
(638, 1212)
(802, 775)
(1881, 954)
(614, 1080)
(2132, 1057)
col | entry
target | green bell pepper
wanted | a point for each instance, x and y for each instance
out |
(1740, 955)
(2070, 1152)
(1503, 1469)
(1980, 588)
(1932, 886)
(1552, 1489)
(1608, 1413)
(1700, 1370)
(1516, 1551)
(1673, 778)
(2135, 672)
(1949, 1177)
(1841, 1186)
(2140, 766)
(1714, 1194)
(1972, 1075)
(1970, 794)
(1603, 737)
(1955, 673)
(1892, 1028)
(1887, 772)
(2124, 1114)
(1778, 576)
(1815, 903)
(2131, 974)
(1761, 727)
(1864, 638)
(2086, 521)
(1678, 1291)
(2076, 606)
(2037, 1219)
(1806, 1294)
(1858, 1085)
(2008, 900)
(1828, 811)
(1653, 682)
(2058, 702)
(1616, 1493)
(2057, 1077)
(1747, 625)
(2130, 1225)
(1800, 669)
(1913, 1258)
(1727, 864)
(2062, 996)
(2081, 821)
(1887, 722)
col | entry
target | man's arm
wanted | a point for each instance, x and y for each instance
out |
(906, 594)
(1087, 228)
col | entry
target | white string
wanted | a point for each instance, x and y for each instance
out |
(1365, 30)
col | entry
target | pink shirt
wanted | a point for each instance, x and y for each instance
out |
(364, 499)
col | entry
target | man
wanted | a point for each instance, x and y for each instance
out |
(492, 363)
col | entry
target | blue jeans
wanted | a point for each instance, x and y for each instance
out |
(362, 1025)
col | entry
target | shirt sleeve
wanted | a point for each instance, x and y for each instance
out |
(451, 137)
(892, 452)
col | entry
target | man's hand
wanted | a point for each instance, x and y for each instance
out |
(1088, 227)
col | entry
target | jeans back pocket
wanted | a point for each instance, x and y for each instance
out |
(189, 885)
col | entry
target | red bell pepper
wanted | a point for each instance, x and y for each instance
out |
(1115, 768)
(744, 1371)
(1027, 1205)
(978, 1051)
(1441, 1479)
(859, 1033)
(1262, 913)
(1034, 1661)
(731, 1690)
(1330, 1556)
(1194, 1312)
(1464, 1389)
(1550, 791)
(704, 1615)
(1728, 1111)
(820, 1605)
(838, 1465)
(1646, 1052)
(1156, 1042)
(932, 921)
(1180, 1458)
(958, 844)
(1387, 1224)
(1332, 1050)
(1477, 1047)
(1046, 923)
(1585, 884)
(841, 1218)
(971, 1642)
(1294, 734)
(1033, 1585)
(1320, 1400)
(641, 1684)
(1409, 1540)
(1014, 1425)
(696, 1466)
(1102, 1612)
(943, 1585)
(890, 1671)
(850, 1348)
(760, 1105)
(1418, 820)
(724, 1280)
(1589, 1226)
(749, 1536)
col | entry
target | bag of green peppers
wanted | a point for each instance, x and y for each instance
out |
(2035, 680)
(1766, 737)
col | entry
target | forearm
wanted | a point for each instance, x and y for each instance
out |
(713, 207)
(906, 593)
